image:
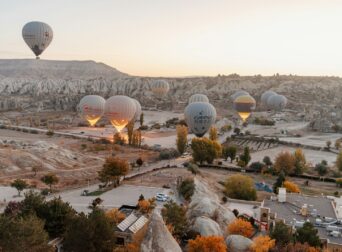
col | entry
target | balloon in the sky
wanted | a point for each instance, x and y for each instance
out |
(160, 87)
(199, 117)
(120, 110)
(137, 109)
(277, 102)
(91, 108)
(37, 36)
(238, 93)
(198, 98)
(265, 95)
(244, 105)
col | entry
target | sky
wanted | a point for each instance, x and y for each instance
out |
(184, 37)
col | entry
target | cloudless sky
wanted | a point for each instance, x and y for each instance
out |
(184, 37)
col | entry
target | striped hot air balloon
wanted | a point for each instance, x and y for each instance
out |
(244, 105)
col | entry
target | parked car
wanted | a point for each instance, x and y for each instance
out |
(162, 197)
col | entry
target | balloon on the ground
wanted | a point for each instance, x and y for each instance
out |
(265, 95)
(244, 105)
(91, 108)
(37, 36)
(198, 98)
(277, 102)
(137, 109)
(120, 110)
(238, 93)
(160, 88)
(199, 117)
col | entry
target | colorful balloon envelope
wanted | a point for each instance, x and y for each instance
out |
(199, 117)
(244, 105)
(160, 88)
(38, 36)
(198, 98)
(238, 93)
(91, 108)
(120, 110)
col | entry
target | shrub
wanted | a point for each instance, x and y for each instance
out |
(241, 227)
(291, 187)
(256, 166)
(50, 133)
(187, 188)
(240, 187)
(207, 243)
(168, 153)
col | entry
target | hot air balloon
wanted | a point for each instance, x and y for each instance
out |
(277, 102)
(198, 98)
(137, 109)
(37, 36)
(199, 117)
(244, 105)
(120, 110)
(265, 96)
(238, 93)
(91, 108)
(160, 88)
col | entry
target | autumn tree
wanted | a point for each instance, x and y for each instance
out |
(23, 234)
(299, 161)
(113, 169)
(291, 187)
(136, 139)
(50, 179)
(339, 161)
(182, 138)
(262, 244)
(284, 162)
(230, 152)
(175, 216)
(207, 244)
(20, 185)
(115, 216)
(203, 149)
(308, 233)
(130, 129)
(144, 206)
(281, 233)
(241, 227)
(213, 133)
(240, 187)
(118, 139)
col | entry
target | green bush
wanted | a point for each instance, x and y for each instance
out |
(187, 188)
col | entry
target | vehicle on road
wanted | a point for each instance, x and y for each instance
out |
(162, 197)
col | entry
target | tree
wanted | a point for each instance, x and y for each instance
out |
(20, 185)
(267, 161)
(237, 131)
(245, 157)
(32, 203)
(284, 162)
(230, 152)
(139, 162)
(175, 216)
(13, 209)
(262, 244)
(328, 143)
(299, 161)
(298, 247)
(256, 166)
(182, 138)
(339, 161)
(136, 141)
(241, 227)
(144, 206)
(240, 187)
(118, 139)
(23, 234)
(130, 129)
(113, 169)
(207, 244)
(203, 149)
(193, 168)
(322, 168)
(338, 144)
(281, 233)
(279, 182)
(291, 187)
(89, 233)
(187, 188)
(50, 179)
(213, 133)
(308, 233)
(141, 119)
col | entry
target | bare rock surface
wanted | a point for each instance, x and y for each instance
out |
(206, 226)
(238, 243)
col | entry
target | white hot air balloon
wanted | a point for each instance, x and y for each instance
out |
(198, 98)
(160, 88)
(265, 95)
(91, 108)
(120, 110)
(137, 109)
(199, 117)
(37, 36)
(238, 93)
(277, 102)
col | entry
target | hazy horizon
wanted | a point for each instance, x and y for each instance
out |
(184, 39)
